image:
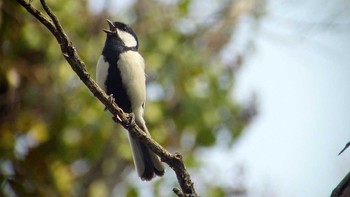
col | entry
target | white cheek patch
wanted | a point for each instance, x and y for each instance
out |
(128, 39)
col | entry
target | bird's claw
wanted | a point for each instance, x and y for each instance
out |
(111, 99)
(131, 119)
(117, 119)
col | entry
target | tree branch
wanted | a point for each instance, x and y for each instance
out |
(70, 54)
(343, 188)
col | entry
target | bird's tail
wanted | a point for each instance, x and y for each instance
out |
(147, 163)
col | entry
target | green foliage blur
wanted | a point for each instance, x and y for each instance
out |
(55, 138)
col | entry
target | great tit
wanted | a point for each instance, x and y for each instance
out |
(120, 73)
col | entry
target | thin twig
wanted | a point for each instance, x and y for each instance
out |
(346, 146)
(178, 192)
(54, 20)
(37, 14)
(70, 54)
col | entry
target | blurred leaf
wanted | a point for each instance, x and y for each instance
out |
(62, 176)
(217, 192)
(97, 189)
(132, 192)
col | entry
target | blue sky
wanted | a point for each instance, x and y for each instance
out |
(300, 72)
(301, 75)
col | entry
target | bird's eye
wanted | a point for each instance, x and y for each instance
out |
(125, 28)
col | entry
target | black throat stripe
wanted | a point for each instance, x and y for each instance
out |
(114, 85)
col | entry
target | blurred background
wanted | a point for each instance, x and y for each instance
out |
(253, 93)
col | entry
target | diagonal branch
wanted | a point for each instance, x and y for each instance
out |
(70, 54)
(343, 188)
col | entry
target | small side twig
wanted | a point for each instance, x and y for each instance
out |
(54, 19)
(346, 146)
(178, 192)
(70, 54)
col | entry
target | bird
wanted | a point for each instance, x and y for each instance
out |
(120, 72)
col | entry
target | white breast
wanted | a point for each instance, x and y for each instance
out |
(132, 66)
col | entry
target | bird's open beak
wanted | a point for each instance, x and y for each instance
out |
(111, 29)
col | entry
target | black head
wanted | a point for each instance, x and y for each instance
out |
(121, 34)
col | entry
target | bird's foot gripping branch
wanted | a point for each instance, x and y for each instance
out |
(50, 21)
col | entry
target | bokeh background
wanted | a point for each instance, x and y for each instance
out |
(253, 93)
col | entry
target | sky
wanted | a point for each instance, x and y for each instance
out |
(300, 72)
